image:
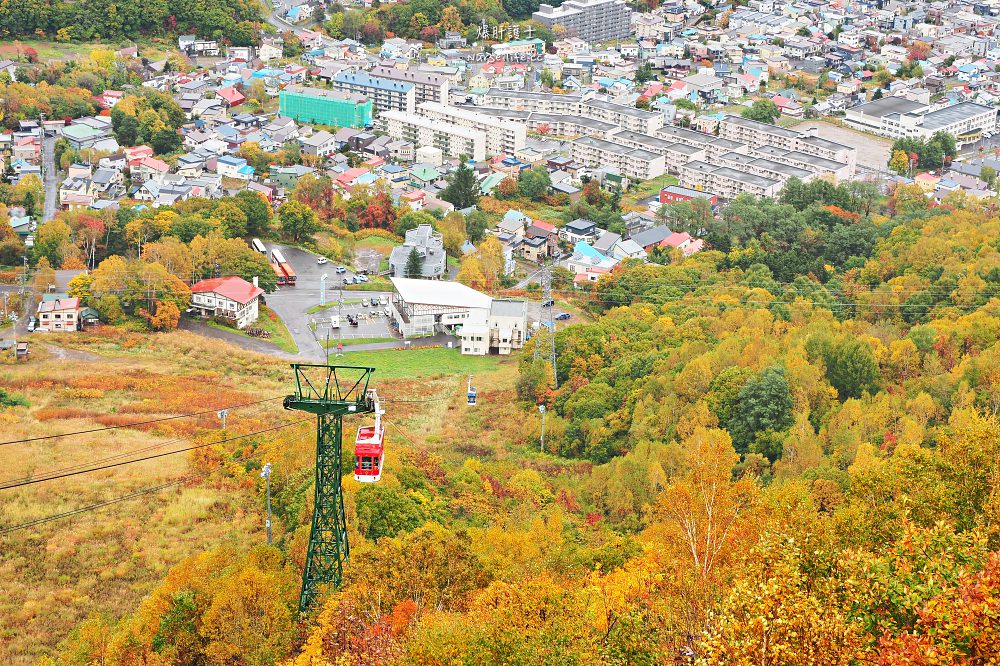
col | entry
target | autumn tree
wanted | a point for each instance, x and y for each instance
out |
(298, 221)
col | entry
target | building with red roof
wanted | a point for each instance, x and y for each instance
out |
(231, 298)
(231, 96)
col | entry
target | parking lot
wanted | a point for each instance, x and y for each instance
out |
(292, 304)
(873, 151)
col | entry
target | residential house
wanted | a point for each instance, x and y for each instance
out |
(230, 166)
(578, 231)
(230, 298)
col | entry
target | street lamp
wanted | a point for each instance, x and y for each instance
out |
(266, 475)
(541, 408)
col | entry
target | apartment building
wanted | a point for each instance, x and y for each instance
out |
(757, 134)
(325, 107)
(821, 166)
(556, 124)
(429, 87)
(592, 20)
(386, 94)
(421, 131)
(761, 166)
(503, 137)
(726, 182)
(524, 100)
(628, 117)
(634, 163)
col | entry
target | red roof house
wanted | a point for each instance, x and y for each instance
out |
(231, 96)
(231, 298)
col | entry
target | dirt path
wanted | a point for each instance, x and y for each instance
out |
(64, 354)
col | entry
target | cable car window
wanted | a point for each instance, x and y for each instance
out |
(366, 462)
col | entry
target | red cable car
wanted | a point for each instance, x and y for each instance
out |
(369, 451)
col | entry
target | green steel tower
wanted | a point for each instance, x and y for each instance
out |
(329, 392)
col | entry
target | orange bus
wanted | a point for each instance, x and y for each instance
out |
(278, 273)
(286, 268)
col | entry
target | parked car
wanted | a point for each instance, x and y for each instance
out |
(341, 269)
(364, 302)
(352, 320)
(548, 304)
(376, 313)
(31, 325)
(563, 316)
(386, 312)
(383, 300)
(362, 278)
(322, 260)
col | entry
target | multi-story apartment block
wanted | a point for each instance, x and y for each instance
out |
(523, 100)
(725, 181)
(757, 134)
(634, 163)
(628, 117)
(422, 131)
(503, 137)
(592, 20)
(326, 107)
(386, 94)
(430, 87)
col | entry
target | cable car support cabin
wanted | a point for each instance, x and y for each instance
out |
(471, 394)
(369, 449)
(330, 392)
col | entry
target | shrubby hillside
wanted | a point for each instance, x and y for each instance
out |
(783, 450)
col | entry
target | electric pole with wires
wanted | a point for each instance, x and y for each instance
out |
(266, 475)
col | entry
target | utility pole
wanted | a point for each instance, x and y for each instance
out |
(222, 414)
(541, 408)
(340, 317)
(266, 475)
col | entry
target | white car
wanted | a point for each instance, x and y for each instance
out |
(322, 260)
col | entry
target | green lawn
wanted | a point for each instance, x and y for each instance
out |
(391, 363)
(647, 188)
(271, 322)
(373, 284)
(320, 308)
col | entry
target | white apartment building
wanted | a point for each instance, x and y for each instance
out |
(422, 131)
(726, 182)
(757, 134)
(503, 137)
(386, 94)
(628, 117)
(592, 20)
(429, 87)
(523, 100)
(634, 163)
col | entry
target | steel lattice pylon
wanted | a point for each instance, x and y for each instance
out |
(329, 392)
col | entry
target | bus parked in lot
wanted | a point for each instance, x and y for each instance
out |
(258, 246)
(279, 274)
(286, 268)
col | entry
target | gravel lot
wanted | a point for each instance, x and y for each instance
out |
(872, 151)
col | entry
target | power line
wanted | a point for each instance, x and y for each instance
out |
(63, 475)
(117, 456)
(132, 425)
(123, 498)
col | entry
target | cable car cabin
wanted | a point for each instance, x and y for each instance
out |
(369, 453)
(472, 397)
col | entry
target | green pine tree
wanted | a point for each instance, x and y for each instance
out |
(414, 267)
(463, 190)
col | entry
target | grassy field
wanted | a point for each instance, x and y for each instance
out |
(53, 50)
(647, 189)
(271, 322)
(429, 362)
(374, 284)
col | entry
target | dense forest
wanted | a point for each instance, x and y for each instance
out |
(114, 20)
(784, 452)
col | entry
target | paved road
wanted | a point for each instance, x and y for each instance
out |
(292, 303)
(51, 175)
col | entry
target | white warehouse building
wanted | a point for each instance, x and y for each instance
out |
(485, 325)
